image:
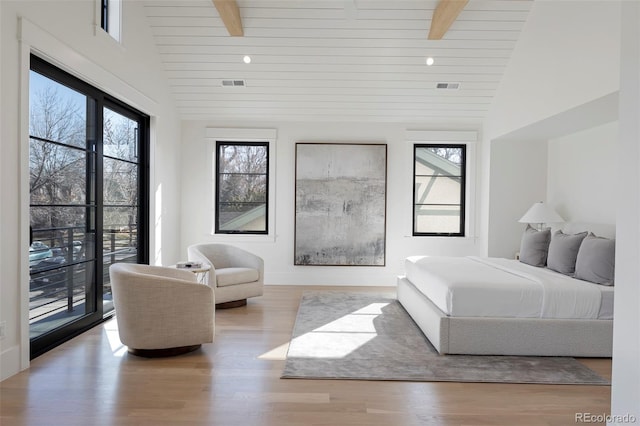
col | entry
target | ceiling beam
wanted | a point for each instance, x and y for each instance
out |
(230, 14)
(443, 16)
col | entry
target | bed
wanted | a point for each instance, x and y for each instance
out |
(495, 306)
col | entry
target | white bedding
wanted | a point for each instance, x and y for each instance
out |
(495, 287)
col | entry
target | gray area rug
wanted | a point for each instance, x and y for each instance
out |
(365, 336)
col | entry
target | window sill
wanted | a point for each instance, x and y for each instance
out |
(444, 237)
(244, 238)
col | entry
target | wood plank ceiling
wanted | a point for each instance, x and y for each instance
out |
(335, 60)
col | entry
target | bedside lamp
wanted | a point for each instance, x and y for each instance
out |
(539, 214)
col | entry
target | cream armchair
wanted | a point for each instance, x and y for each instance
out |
(161, 311)
(235, 273)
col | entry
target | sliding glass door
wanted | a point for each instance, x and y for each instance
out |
(88, 164)
(123, 181)
(61, 255)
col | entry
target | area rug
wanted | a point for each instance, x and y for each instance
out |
(365, 336)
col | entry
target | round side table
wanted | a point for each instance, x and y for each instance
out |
(200, 271)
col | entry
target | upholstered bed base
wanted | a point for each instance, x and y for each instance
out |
(505, 336)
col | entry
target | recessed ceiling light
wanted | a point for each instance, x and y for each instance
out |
(246, 59)
(430, 61)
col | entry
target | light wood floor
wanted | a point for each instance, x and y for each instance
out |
(91, 380)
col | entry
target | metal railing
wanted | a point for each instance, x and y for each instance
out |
(59, 283)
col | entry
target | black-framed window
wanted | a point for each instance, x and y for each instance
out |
(439, 175)
(104, 17)
(89, 201)
(242, 188)
(110, 17)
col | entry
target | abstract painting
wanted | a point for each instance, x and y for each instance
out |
(340, 206)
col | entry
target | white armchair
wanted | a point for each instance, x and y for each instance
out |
(235, 274)
(161, 311)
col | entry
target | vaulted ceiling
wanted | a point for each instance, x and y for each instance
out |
(335, 60)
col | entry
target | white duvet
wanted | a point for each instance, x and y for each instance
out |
(495, 287)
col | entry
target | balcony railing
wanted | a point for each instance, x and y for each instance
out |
(62, 272)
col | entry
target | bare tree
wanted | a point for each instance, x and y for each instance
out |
(56, 171)
(58, 163)
(120, 142)
(448, 153)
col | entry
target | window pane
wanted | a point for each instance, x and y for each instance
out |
(68, 244)
(120, 244)
(57, 217)
(242, 159)
(437, 219)
(56, 112)
(80, 246)
(120, 136)
(452, 155)
(242, 217)
(58, 291)
(437, 190)
(120, 237)
(243, 188)
(120, 219)
(57, 174)
(120, 182)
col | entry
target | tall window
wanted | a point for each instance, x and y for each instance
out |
(242, 187)
(110, 17)
(439, 190)
(88, 166)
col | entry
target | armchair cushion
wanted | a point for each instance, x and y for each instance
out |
(233, 276)
(233, 271)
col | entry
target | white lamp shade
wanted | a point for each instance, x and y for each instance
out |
(541, 213)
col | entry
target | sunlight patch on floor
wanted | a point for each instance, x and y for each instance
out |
(371, 309)
(111, 330)
(276, 354)
(339, 338)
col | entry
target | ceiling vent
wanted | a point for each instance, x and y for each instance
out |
(234, 83)
(449, 86)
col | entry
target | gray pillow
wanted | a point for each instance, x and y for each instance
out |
(596, 260)
(563, 252)
(534, 246)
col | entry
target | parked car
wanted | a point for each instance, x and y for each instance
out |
(38, 251)
(48, 275)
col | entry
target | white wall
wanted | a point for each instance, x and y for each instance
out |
(574, 174)
(64, 33)
(562, 78)
(278, 253)
(581, 174)
(566, 65)
(567, 55)
(625, 390)
(518, 179)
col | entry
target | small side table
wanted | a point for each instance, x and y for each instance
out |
(201, 271)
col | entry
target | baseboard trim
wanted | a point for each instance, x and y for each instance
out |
(9, 362)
